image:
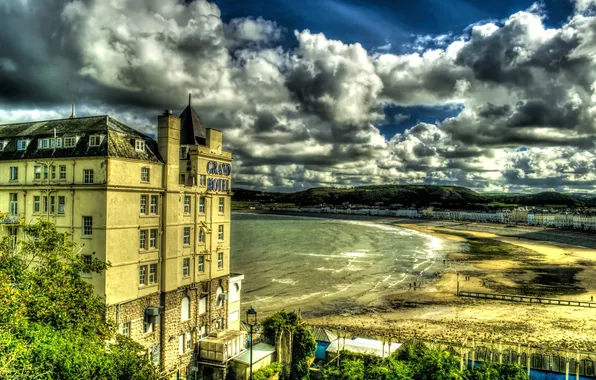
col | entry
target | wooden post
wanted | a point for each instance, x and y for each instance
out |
(567, 368)
(461, 359)
(473, 354)
(528, 360)
(577, 366)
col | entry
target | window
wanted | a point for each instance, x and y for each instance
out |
(62, 172)
(58, 142)
(144, 174)
(188, 341)
(144, 204)
(87, 259)
(45, 203)
(182, 179)
(203, 305)
(201, 266)
(140, 145)
(2, 145)
(234, 292)
(203, 180)
(153, 205)
(61, 204)
(88, 176)
(221, 205)
(126, 329)
(53, 172)
(152, 273)
(148, 322)
(219, 324)
(153, 238)
(52, 204)
(13, 206)
(94, 140)
(36, 203)
(220, 232)
(37, 172)
(87, 225)
(180, 345)
(187, 204)
(219, 296)
(201, 235)
(185, 267)
(143, 239)
(45, 172)
(44, 143)
(202, 205)
(70, 142)
(185, 309)
(22, 144)
(219, 260)
(14, 173)
(183, 152)
(143, 275)
(186, 237)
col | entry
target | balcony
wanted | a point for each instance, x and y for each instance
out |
(10, 219)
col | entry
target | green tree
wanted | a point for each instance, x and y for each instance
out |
(52, 322)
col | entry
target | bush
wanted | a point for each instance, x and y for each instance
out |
(265, 373)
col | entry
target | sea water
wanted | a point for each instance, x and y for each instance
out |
(326, 265)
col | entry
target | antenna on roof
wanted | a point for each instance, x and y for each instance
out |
(74, 115)
(189, 96)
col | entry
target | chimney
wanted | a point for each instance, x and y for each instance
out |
(73, 115)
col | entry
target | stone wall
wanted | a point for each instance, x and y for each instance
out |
(134, 312)
(173, 326)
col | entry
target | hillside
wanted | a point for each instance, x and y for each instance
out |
(407, 196)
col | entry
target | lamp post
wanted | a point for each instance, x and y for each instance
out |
(251, 320)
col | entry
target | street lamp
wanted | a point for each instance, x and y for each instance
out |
(251, 320)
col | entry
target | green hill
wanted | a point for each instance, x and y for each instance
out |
(406, 196)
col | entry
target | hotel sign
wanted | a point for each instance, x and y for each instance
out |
(220, 169)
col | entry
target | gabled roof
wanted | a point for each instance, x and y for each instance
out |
(192, 130)
(118, 142)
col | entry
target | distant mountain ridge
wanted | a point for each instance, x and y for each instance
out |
(412, 196)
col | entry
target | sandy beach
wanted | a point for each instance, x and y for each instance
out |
(494, 259)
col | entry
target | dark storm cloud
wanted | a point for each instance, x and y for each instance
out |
(537, 113)
(490, 111)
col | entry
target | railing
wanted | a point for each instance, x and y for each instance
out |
(10, 219)
(527, 299)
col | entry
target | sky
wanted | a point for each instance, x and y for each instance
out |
(494, 95)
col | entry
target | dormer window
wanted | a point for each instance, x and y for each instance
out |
(22, 144)
(58, 142)
(70, 142)
(139, 145)
(44, 143)
(94, 140)
(3, 145)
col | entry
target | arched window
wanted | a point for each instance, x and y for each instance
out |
(234, 292)
(219, 296)
(185, 309)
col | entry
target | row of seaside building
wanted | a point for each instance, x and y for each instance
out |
(521, 216)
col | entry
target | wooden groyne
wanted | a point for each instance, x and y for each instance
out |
(527, 299)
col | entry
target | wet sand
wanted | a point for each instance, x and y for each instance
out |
(496, 260)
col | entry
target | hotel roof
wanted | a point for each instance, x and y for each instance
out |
(119, 139)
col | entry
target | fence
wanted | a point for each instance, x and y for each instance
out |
(527, 299)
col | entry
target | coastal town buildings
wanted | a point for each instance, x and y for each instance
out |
(157, 210)
(515, 216)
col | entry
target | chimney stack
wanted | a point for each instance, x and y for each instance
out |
(73, 115)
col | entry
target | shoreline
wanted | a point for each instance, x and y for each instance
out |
(521, 261)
